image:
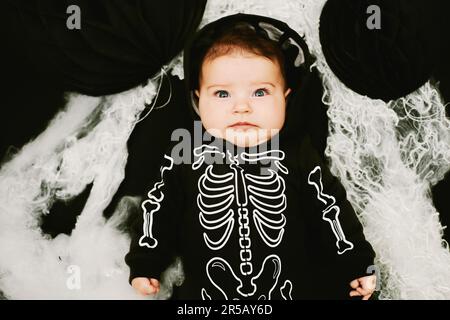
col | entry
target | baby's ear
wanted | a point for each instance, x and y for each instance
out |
(197, 93)
(287, 92)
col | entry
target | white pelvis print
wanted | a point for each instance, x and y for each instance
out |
(217, 193)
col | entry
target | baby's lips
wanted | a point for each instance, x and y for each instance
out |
(243, 126)
(243, 123)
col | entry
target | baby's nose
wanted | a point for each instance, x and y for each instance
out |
(242, 106)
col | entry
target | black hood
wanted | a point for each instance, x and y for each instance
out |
(296, 54)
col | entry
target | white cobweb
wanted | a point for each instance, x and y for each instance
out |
(386, 155)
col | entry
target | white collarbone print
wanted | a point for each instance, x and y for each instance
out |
(217, 195)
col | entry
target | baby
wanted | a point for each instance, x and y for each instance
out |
(241, 234)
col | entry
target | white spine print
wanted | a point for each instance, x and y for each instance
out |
(155, 197)
(246, 266)
(331, 211)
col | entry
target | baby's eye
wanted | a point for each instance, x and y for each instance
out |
(261, 92)
(221, 94)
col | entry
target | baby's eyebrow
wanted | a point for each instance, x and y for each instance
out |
(269, 83)
(217, 85)
(253, 83)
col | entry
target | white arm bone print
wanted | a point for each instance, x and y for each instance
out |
(155, 196)
(331, 211)
(266, 193)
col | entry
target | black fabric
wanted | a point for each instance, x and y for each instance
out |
(121, 43)
(384, 63)
(441, 200)
(307, 250)
(290, 42)
(306, 112)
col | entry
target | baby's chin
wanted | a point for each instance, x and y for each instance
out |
(246, 138)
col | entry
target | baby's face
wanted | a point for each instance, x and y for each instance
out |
(242, 98)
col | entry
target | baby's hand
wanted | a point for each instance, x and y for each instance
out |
(145, 286)
(363, 286)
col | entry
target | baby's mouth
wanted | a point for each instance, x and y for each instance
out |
(243, 126)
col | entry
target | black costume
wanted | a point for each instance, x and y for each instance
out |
(254, 223)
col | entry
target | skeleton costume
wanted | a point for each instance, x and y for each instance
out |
(250, 224)
(265, 222)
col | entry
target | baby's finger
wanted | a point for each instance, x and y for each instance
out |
(363, 291)
(369, 286)
(354, 293)
(151, 289)
(143, 286)
(354, 284)
(154, 283)
(147, 289)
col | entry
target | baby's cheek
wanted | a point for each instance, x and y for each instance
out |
(213, 118)
(275, 118)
